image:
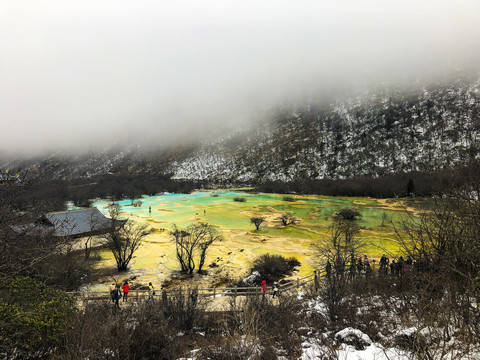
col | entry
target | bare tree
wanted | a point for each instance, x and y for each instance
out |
(257, 221)
(446, 237)
(211, 236)
(342, 244)
(88, 239)
(192, 241)
(184, 248)
(24, 243)
(443, 243)
(124, 238)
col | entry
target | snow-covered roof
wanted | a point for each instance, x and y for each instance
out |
(78, 222)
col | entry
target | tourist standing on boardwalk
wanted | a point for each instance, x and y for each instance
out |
(383, 265)
(112, 289)
(264, 288)
(117, 295)
(125, 289)
(352, 270)
(393, 268)
(400, 265)
(408, 264)
(164, 295)
(194, 296)
(315, 280)
(275, 289)
(151, 292)
(360, 265)
(366, 263)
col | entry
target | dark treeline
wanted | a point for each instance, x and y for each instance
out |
(389, 186)
(117, 187)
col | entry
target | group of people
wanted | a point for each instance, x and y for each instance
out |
(396, 267)
(362, 266)
(151, 293)
(275, 289)
(117, 293)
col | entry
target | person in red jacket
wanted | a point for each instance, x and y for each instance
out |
(264, 288)
(125, 289)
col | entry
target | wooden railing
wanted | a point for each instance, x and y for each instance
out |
(142, 295)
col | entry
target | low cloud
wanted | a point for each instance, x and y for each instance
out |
(93, 73)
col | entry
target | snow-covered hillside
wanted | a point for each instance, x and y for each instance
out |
(372, 132)
(384, 132)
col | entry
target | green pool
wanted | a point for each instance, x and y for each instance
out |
(218, 208)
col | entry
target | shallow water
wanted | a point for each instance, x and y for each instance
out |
(155, 260)
(218, 208)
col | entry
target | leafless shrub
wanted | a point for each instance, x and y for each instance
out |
(185, 309)
(141, 330)
(259, 320)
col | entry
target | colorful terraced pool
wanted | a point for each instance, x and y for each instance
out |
(155, 260)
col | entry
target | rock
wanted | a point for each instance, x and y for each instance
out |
(432, 335)
(251, 278)
(410, 339)
(405, 338)
(354, 337)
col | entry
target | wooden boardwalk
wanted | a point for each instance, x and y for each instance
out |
(216, 296)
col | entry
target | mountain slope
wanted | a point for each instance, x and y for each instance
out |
(384, 132)
(371, 132)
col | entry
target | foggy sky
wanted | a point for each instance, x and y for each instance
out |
(75, 74)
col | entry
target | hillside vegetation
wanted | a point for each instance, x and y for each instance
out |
(370, 132)
(375, 133)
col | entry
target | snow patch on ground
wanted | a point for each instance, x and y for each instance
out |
(353, 337)
(311, 351)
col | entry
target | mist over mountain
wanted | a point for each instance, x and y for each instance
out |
(369, 132)
(247, 91)
(93, 76)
